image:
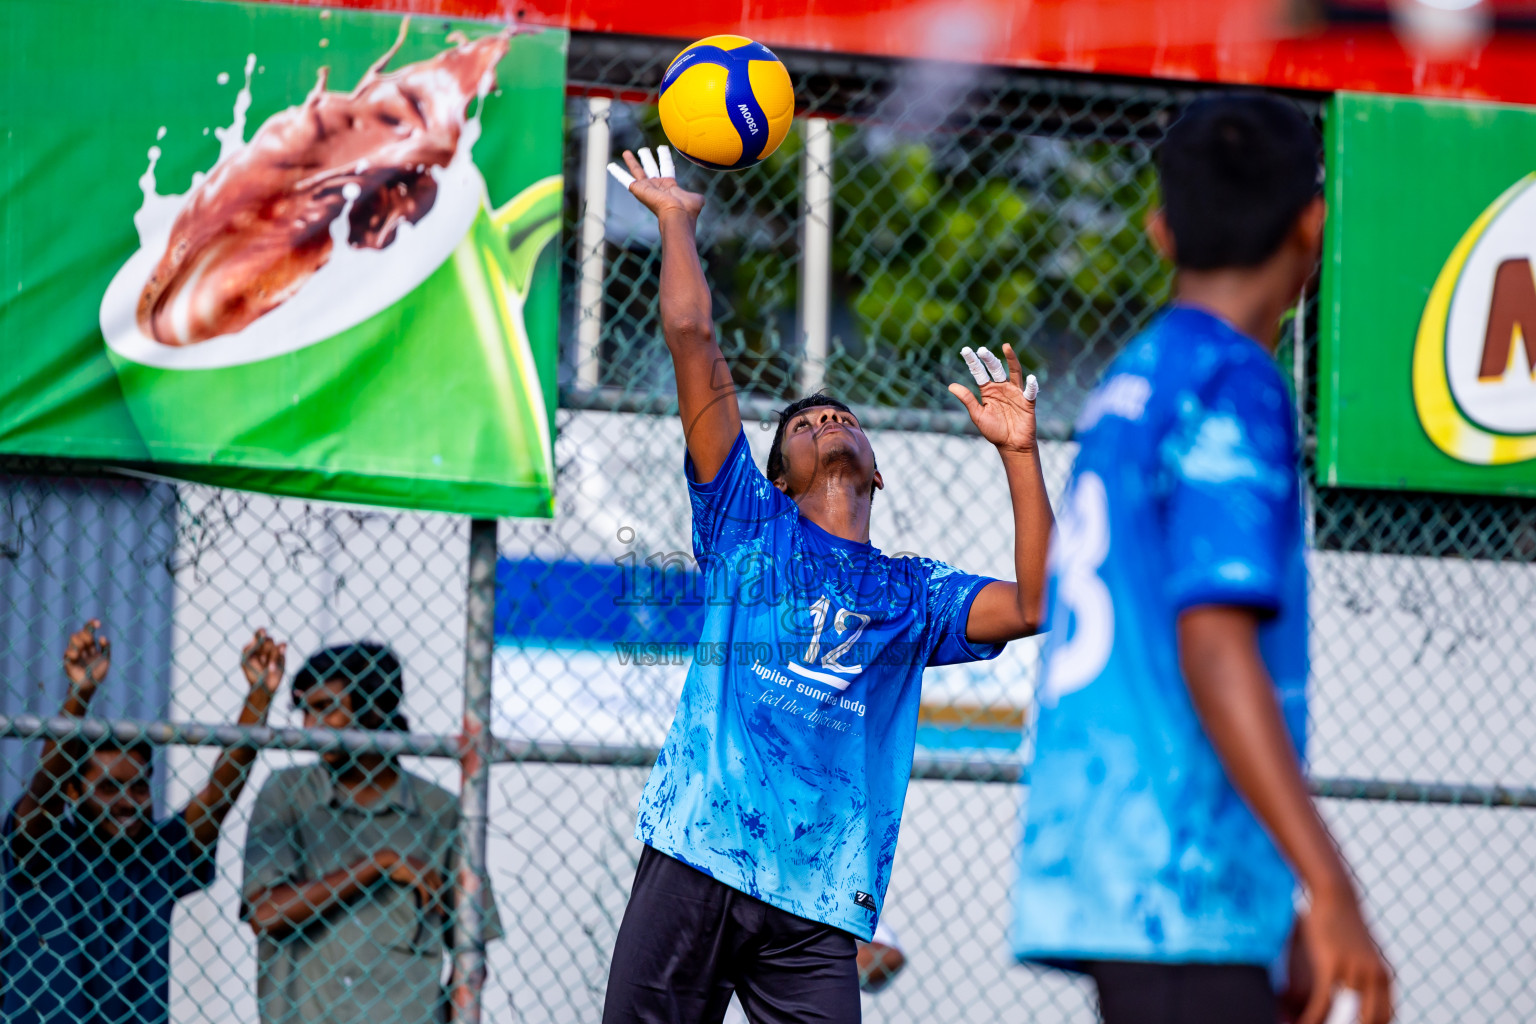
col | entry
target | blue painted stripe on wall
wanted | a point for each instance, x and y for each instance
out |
(572, 602)
(579, 604)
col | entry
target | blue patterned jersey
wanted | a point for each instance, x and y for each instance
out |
(785, 769)
(1185, 492)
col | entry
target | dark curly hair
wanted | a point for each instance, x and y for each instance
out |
(375, 685)
(1236, 171)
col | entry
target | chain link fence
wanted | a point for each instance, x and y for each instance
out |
(915, 208)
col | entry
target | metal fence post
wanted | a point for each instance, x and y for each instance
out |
(474, 799)
(594, 226)
(816, 255)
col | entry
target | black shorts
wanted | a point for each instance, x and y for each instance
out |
(688, 942)
(1151, 993)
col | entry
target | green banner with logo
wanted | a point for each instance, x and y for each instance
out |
(286, 249)
(1426, 375)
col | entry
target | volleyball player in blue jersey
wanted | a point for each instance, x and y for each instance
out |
(1167, 807)
(771, 816)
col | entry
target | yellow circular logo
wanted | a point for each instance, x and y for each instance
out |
(1474, 361)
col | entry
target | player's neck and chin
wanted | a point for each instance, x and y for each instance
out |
(837, 499)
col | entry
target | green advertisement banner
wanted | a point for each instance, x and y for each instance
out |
(1429, 297)
(285, 249)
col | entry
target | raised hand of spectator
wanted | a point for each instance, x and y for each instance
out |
(263, 661)
(87, 657)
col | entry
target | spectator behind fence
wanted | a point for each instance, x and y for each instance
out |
(90, 877)
(348, 864)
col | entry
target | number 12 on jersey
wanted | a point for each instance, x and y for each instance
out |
(845, 621)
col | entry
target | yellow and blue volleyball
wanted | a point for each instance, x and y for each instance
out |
(726, 102)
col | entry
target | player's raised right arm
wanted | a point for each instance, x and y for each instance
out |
(706, 394)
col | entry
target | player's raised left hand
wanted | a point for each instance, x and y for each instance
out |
(1005, 413)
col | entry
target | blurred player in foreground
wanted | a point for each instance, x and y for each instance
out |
(1167, 807)
(771, 816)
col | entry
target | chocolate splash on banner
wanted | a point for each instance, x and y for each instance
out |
(261, 224)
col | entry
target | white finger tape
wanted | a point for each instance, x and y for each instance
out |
(977, 370)
(994, 367)
(1031, 388)
(648, 162)
(1346, 1007)
(621, 174)
(668, 169)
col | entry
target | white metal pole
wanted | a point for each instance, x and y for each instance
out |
(589, 300)
(816, 255)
